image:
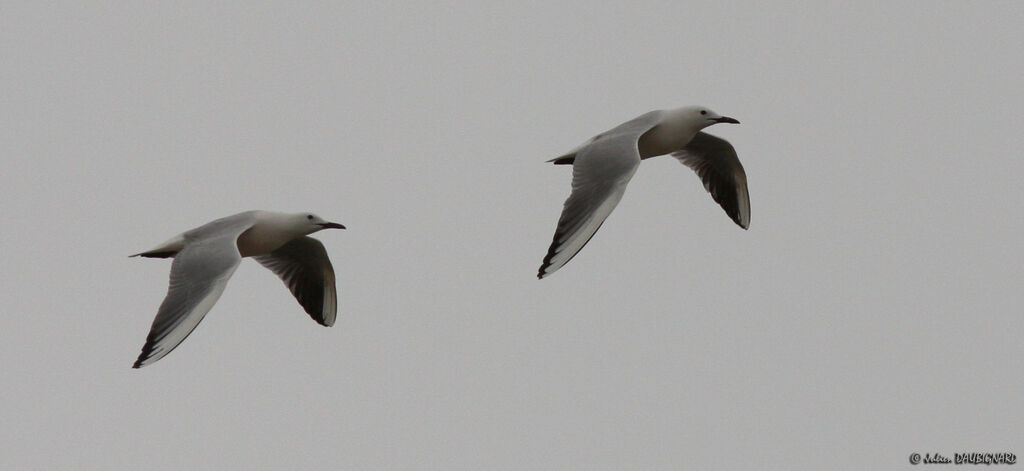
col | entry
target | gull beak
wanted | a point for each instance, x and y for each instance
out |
(331, 225)
(726, 119)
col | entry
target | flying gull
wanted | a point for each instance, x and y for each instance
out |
(207, 256)
(602, 166)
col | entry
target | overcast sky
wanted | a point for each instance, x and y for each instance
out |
(872, 310)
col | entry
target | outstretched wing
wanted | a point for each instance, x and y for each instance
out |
(304, 267)
(719, 168)
(199, 274)
(207, 258)
(600, 173)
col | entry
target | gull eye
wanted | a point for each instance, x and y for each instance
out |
(309, 216)
(703, 111)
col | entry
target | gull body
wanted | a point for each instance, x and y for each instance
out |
(603, 166)
(207, 256)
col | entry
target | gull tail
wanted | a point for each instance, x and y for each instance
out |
(165, 250)
(155, 254)
(566, 159)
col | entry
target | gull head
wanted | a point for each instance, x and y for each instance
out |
(702, 117)
(309, 223)
(695, 118)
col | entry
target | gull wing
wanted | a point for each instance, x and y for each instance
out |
(600, 171)
(719, 168)
(306, 270)
(199, 274)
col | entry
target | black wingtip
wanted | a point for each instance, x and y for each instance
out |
(553, 250)
(546, 263)
(145, 355)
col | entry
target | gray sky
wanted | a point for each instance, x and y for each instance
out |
(872, 310)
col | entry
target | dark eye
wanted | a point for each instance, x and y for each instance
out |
(703, 111)
(309, 216)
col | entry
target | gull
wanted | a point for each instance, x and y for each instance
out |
(207, 256)
(602, 166)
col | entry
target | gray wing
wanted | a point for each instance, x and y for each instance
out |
(600, 173)
(304, 267)
(199, 274)
(719, 168)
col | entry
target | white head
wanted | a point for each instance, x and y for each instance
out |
(308, 223)
(702, 117)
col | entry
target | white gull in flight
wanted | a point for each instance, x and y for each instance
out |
(602, 166)
(207, 256)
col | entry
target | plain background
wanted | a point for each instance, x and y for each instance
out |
(872, 310)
